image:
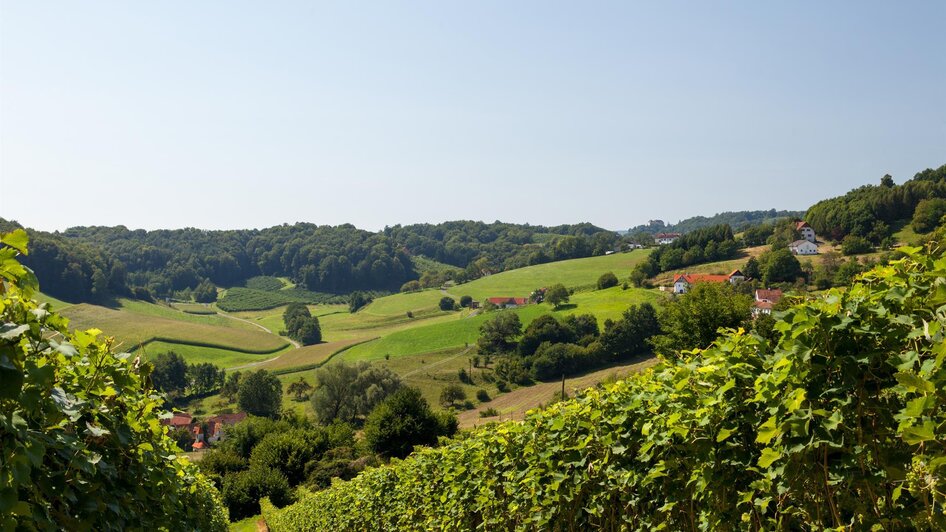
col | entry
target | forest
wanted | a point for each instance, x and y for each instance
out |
(96, 263)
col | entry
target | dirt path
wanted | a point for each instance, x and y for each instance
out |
(296, 344)
(515, 404)
(252, 364)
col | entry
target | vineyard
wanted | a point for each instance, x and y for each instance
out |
(840, 423)
(239, 298)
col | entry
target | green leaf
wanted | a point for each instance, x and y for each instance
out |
(767, 431)
(18, 239)
(913, 382)
(768, 456)
(723, 434)
(920, 434)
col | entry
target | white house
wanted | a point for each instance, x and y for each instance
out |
(807, 233)
(765, 300)
(683, 282)
(666, 238)
(803, 247)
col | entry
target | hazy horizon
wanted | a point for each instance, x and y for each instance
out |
(241, 115)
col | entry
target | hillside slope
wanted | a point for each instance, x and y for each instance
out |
(835, 425)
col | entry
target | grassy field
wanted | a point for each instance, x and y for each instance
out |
(56, 304)
(603, 304)
(138, 323)
(195, 354)
(571, 273)
(310, 354)
(515, 404)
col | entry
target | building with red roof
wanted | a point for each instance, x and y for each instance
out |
(508, 302)
(683, 281)
(765, 301)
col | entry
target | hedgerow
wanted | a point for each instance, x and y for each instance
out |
(81, 444)
(840, 424)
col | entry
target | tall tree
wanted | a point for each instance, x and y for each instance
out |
(260, 394)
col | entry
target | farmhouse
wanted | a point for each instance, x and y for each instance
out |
(803, 247)
(806, 232)
(508, 302)
(666, 238)
(765, 300)
(683, 282)
(209, 431)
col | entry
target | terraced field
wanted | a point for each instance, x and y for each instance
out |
(139, 323)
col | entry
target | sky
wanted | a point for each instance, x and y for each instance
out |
(237, 114)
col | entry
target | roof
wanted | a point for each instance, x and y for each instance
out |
(198, 445)
(768, 305)
(797, 243)
(691, 278)
(227, 419)
(800, 224)
(773, 295)
(735, 273)
(508, 300)
(667, 235)
(178, 419)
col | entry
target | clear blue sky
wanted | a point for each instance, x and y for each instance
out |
(250, 114)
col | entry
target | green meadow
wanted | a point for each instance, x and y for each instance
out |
(571, 273)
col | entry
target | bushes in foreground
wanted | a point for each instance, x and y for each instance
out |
(81, 445)
(839, 424)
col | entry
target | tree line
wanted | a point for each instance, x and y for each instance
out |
(96, 263)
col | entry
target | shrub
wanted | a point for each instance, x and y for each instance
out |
(466, 301)
(289, 452)
(410, 286)
(489, 412)
(452, 394)
(607, 280)
(399, 423)
(482, 396)
(502, 386)
(855, 245)
(242, 491)
(447, 303)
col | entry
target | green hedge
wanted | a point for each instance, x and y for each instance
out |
(842, 424)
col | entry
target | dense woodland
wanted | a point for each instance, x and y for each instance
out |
(95, 263)
(872, 211)
(738, 220)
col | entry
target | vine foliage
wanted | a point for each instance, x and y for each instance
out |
(81, 443)
(837, 424)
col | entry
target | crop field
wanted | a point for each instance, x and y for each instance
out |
(604, 304)
(195, 354)
(132, 327)
(239, 298)
(516, 403)
(576, 272)
(308, 355)
(263, 282)
(194, 308)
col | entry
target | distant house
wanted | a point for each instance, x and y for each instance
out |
(178, 420)
(216, 424)
(666, 238)
(683, 282)
(803, 247)
(765, 300)
(508, 302)
(209, 431)
(806, 232)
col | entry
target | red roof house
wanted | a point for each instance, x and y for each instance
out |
(178, 420)
(765, 300)
(508, 301)
(683, 281)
